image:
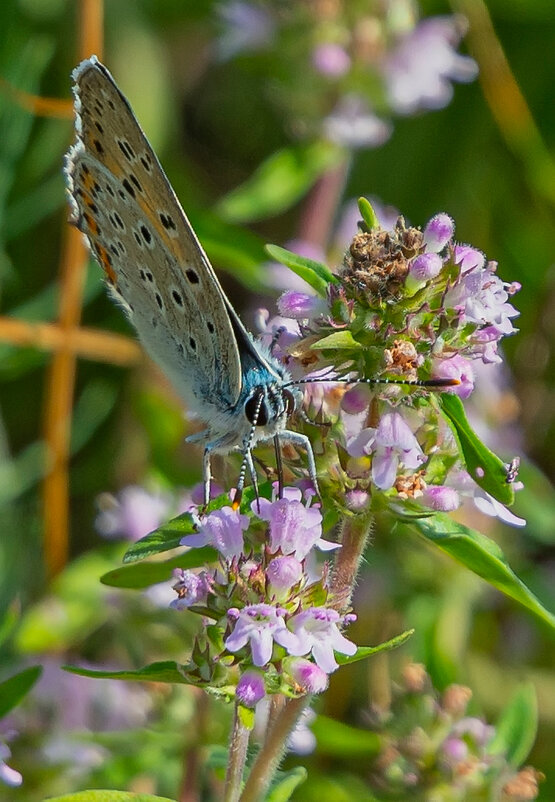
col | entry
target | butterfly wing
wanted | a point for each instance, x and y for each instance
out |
(152, 259)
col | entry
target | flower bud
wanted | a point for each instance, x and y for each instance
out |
(455, 367)
(300, 305)
(425, 266)
(310, 677)
(283, 572)
(441, 498)
(438, 232)
(331, 60)
(356, 399)
(250, 688)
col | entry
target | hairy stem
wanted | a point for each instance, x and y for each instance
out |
(238, 744)
(354, 536)
(270, 755)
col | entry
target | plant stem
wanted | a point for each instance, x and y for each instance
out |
(238, 744)
(270, 755)
(354, 536)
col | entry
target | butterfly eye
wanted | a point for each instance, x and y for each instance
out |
(289, 400)
(256, 409)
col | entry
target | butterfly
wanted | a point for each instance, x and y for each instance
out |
(157, 270)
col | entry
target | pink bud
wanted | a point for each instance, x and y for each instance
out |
(309, 676)
(438, 232)
(441, 498)
(250, 688)
(284, 572)
(425, 266)
(455, 367)
(299, 305)
(356, 399)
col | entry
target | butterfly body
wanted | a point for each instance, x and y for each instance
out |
(157, 270)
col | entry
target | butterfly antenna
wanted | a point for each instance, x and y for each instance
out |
(247, 458)
(346, 380)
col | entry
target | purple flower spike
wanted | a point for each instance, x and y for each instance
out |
(309, 676)
(331, 60)
(317, 631)
(260, 625)
(438, 232)
(456, 367)
(441, 498)
(222, 529)
(250, 688)
(425, 266)
(294, 528)
(300, 305)
(283, 572)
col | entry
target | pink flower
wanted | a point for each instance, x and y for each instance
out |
(438, 232)
(250, 688)
(191, 588)
(260, 625)
(317, 631)
(331, 60)
(418, 71)
(392, 444)
(282, 573)
(455, 367)
(441, 498)
(8, 775)
(353, 125)
(294, 528)
(309, 676)
(133, 513)
(222, 529)
(300, 305)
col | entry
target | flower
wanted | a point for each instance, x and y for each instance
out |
(317, 632)
(418, 71)
(331, 60)
(294, 528)
(308, 676)
(441, 498)
(425, 267)
(245, 27)
(133, 513)
(392, 444)
(191, 588)
(260, 625)
(455, 367)
(438, 232)
(250, 688)
(353, 125)
(222, 529)
(283, 572)
(300, 305)
(8, 775)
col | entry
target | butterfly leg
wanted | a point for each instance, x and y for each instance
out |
(298, 439)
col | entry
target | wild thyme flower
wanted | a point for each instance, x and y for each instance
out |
(317, 633)
(222, 529)
(8, 775)
(259, 625)
(250, 688)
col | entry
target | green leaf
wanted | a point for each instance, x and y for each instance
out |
(487, 470)
(107, 796)
(483, 557)
(367, 213)
(13, 690)
(516, 730)
(246, 716)
(342, 740)
(142, 575)
(165, 671)
(166, 537)
(339, 339)
(284, 786)
(279, 182)
(316, 274)
(367, 651)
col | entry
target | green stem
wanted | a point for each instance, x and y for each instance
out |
(269, 757)
(238, 744)
(354, 536)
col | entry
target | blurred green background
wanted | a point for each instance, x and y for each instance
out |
(213, 123)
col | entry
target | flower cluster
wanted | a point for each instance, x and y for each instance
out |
(434, 744)
(360, 63)
(268, 595)
(407, 309)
